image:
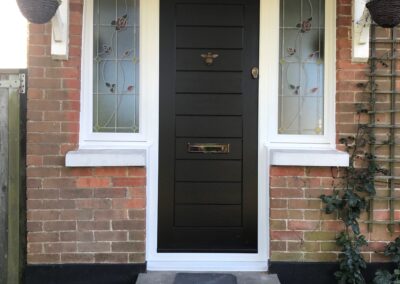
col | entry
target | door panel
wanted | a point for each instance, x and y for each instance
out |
(197, 14)
(208, 104)
(208, 126)
(199, 215)
(209, 82)
(208, 193)
(215, 239)
(209, 37)
(206, 170)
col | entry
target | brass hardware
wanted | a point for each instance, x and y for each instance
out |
(254, 72)
(209, 57)
(208, 148)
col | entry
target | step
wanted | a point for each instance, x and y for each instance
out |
(163, 277)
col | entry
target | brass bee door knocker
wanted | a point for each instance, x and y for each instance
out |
(209, 57)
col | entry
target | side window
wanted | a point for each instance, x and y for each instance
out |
(115, 100)
(298, 58)
(111, 101)
(301, 67)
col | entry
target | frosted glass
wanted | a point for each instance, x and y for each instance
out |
(301, 70)
(116, 66)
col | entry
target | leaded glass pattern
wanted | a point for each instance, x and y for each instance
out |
(301, 67)
(116, 66)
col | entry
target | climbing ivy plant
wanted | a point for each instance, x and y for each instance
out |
(353, 187)
(392, 250)
(350, 261)
(349, 199)
(355, 184)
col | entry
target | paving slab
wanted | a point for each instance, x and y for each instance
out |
(168, 277)
(205, 278)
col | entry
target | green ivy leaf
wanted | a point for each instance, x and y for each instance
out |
(382, 277)
(332, 203)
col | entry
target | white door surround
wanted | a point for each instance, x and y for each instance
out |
(200, 261)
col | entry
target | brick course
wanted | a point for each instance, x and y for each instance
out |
(94, 223)
(300, 230)
(75, 215)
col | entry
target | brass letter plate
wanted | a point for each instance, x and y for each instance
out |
(208, 148)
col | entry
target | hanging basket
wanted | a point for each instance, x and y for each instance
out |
(386, 13)
(38, 11)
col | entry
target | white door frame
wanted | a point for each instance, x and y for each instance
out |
(150, 14)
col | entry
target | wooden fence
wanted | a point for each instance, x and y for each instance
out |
(12, 175)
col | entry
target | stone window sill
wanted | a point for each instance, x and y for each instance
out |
(309, 157)
(106, 158)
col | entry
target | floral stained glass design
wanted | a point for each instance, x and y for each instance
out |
(116, 66)
(301, 67)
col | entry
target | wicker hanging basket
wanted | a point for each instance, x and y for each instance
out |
(386, 13)
(38, 11)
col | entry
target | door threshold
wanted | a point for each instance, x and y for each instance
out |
(167, 265)
(228, 251)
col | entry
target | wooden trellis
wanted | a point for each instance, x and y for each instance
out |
(384, 124)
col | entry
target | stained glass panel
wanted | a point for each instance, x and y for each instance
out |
(301, 67)
(116, 66)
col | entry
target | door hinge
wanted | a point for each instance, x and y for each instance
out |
(16, 83)
(22, 85)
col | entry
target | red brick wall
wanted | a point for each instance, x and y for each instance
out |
(300, 231)
(78, 215)
(75, 215)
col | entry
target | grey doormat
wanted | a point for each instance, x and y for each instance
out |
(204, 278)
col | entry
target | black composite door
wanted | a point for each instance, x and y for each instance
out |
(208, 126)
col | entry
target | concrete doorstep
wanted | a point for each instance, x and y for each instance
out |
(163, 277)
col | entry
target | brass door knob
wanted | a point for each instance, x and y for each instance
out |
(254, 72)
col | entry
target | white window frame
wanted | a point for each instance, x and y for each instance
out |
(269, 67)
(87, 137)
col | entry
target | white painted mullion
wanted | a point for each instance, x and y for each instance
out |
(149, 82)
(268, 73)
(330, 73)
(269, 67)
(86, 111)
